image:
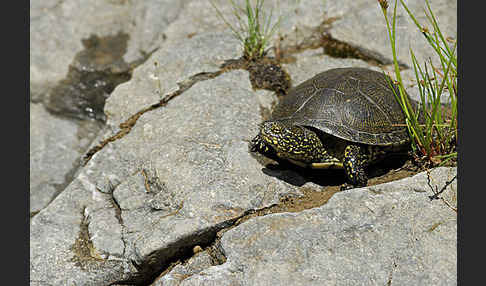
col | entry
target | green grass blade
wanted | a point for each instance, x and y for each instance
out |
(433, 20)
(220, 15)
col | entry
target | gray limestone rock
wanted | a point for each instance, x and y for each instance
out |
(194, 265)
(381, 235)
(203, 164)
(61, 245)
(196, 154)
(55, 147)
(169, 67)
(362, 24)
(183, 171)
(58, 27)
(311, 62)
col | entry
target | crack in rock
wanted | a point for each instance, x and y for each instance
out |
(390, 277)
(118, 215)
(116, 206)
(437, 192)
(265, 73)
(216, 252)
(321, 37)
(77, 99)
(85, 255)
(127, 125)
(160, 262)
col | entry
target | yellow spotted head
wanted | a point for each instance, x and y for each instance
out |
(288, 141)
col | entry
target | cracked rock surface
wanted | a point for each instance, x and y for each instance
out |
(390, 233)
(169, 199)
(368, 34)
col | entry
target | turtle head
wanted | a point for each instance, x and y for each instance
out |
(287, 141)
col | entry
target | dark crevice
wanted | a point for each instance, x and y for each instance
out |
(34, 213)
(320, 37)
(127, 125)
(118, 210)
(265, 73)
(92, 76)
(390, 276)
(160, 262)
(339, 49)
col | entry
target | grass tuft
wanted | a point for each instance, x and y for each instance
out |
(254, 27)
(434, 133)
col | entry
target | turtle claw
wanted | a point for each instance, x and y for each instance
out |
(346, 186)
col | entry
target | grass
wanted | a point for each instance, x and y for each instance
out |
(254, 27)
(434, 135)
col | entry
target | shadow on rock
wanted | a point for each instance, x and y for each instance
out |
(298, 176)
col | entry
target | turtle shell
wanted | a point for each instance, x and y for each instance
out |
(355, 104)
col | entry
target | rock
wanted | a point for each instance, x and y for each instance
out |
(179, 63)
(61, 248)
(385, 234)
(58, 27)
(169, 67)
(201, 17)
(194, 265)
(156, 195)
(311, 62)
(55, 147)
(362, 24)
(203, 167)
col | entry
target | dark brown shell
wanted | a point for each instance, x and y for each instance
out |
(355, 104)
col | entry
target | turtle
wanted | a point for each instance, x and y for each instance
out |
(342, 118)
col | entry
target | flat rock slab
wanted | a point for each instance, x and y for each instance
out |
(56, 145)
(362, 24)
(389, 234)
(57, 29)
(199, 262)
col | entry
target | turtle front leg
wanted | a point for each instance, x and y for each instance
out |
(354, 162)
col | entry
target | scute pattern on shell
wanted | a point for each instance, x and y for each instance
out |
(355, 104)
